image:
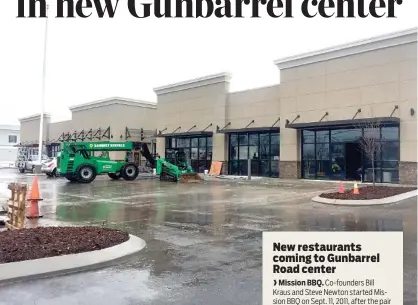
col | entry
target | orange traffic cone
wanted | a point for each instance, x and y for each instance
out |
(341, 188)
(34, 198)
(356, 192)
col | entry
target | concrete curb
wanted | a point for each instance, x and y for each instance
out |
(382, 201)
(59, 265)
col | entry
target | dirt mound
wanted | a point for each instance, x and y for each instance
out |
(27, 244)
(369, 192)
(190, 178)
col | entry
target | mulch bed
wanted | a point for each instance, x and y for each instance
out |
(27, 244)
(369, 192)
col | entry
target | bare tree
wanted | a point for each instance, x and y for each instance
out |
(370, 143)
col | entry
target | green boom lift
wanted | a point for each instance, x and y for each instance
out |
(77, 162)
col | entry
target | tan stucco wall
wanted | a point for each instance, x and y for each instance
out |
(29, 128)
(375, 81)
(56, 129)
(117, 116)
(261, 105)
(200, 106)
(133, 117)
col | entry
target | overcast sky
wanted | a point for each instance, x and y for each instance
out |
(90, 59)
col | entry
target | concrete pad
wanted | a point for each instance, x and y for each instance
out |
(38, 268)
(388, 200)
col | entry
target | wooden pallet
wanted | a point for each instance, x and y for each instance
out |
(17, 206)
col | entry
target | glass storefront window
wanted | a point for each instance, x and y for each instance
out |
(275, 139)
(308, 137)
(274, 168)
(322, 151)
(253, 152)
(198, 150)
(308, 169)
(243, 139)
(194, 154)
(345, 135)
(234, 140)
(322, 136)
(322, 169)
(263, 150)
(275, 152)
(372, 133)
(53, 149)
(253, 139)
(390, 133)
(264, 146)
(338, 161)
(341, 157)
(243, 152)
(233, 152)
(390, 151)
(183, 142)
(309, 151)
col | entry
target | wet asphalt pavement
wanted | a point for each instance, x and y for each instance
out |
(203, 240)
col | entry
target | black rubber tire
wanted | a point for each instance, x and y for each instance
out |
(21, 170)
(49, 175)
(54, 173)
(33, 169)
(115, 176)
(70, 177)
(129, 171)
(86, 173)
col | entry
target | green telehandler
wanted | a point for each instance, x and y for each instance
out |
(77, 162)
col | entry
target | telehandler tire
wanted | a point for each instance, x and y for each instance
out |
(129, 171)
(86, 173)
(115, 176)
(71, 177)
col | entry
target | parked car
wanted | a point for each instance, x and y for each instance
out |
(50, 167)
(28, 164)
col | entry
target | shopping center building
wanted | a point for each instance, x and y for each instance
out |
(312, 125)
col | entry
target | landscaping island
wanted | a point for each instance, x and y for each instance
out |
(43, 242)
(369, 193)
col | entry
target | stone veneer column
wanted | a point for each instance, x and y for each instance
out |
(408, 173)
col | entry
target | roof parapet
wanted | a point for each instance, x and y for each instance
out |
(194, 83)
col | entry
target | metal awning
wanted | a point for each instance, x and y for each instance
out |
(186, 134)
(252, 129)
(344, 123)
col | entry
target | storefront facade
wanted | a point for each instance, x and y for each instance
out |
(198, 149)
(261, 147)
(334, 100)
(313, 125)
(338, 153)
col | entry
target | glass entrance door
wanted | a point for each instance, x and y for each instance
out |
(338, 166)
(263, 149)
(198, 150)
